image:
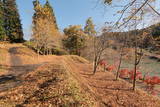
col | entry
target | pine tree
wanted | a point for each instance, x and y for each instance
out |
(2, 30)
(49, 8)
(37, 14)
(89, 28)
(12, 21)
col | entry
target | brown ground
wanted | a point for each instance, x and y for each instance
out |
(101, 87)
(108, 92)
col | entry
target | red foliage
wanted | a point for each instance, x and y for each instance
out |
(155, 79)
(159, 81)
(110, 68)
(124, 73)
(102, 62)
(152, 80)
(138, 75)
(147, 80)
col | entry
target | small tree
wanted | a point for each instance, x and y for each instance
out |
(74, 40)
(100, 43)
(89, 28)
(120, 60)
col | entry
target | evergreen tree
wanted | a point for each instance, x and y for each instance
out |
(37, 14)
(75, 39)
(89, 28)
(2, 30)
(49, 8)
(12, 21)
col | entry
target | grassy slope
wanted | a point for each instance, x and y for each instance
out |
(66, 81)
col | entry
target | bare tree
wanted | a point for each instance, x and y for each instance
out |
(100, 44)
(133, 10)
(120, 59)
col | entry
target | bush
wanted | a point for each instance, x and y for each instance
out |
(59, 51)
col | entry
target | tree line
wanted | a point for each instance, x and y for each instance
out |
(46, 37)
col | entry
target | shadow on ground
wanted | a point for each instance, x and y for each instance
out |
(15, 71)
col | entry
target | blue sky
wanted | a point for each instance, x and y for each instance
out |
(72, 12)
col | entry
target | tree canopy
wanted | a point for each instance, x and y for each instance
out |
(12, 22)
(89, 28)
(75, 39)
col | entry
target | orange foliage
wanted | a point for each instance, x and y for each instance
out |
(111, 68)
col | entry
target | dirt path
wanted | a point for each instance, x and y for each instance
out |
(15, 70)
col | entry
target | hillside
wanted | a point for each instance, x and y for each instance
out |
(148, 37)
(63, 81)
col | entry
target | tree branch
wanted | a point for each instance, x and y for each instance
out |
(135, 13)
(153, 9)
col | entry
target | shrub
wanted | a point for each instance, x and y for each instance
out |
(55, 50)
(124, 73)
(59, 51)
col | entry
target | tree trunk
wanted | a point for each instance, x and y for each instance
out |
(95, 65)
(119, 66)
(38, 53)
(104, 68)
(135, 68)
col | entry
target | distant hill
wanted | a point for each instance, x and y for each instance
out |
(150, 39)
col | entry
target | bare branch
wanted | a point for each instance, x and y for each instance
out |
(135, 13)
(153, 9)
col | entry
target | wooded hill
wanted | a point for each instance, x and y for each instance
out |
(148, 37)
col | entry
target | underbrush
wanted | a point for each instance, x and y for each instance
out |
(54, 50)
